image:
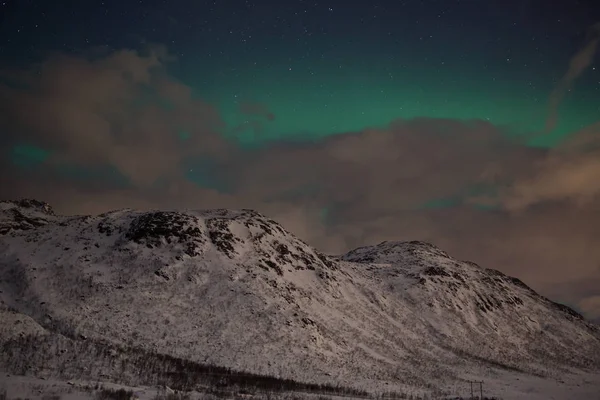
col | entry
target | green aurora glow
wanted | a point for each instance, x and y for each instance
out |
(308, 108)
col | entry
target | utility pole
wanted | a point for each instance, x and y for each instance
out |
(473, 390)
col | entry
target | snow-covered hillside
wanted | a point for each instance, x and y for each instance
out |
(234, 288)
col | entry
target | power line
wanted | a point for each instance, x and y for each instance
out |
(474, 385)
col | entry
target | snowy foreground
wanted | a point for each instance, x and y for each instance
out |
(151, 298)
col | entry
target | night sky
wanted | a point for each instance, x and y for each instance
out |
(471, 124)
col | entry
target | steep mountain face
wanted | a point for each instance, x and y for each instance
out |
(235, 289)
(227, 287)
(467, 307)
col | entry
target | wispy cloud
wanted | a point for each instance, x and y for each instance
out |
(577, 65)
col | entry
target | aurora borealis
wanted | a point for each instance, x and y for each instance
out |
(325, 68)
(349, 122)
(341, 81)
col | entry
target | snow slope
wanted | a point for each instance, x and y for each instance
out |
(235, 289)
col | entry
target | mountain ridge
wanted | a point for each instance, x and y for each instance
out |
(234, 288)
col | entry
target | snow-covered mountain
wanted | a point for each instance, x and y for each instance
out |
(234, 288)
(24, 214)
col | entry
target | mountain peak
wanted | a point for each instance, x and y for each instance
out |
(31, 204)
(393, 251)
(238, 235)
(24, 214)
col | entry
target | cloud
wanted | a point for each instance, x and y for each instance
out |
(528, 212)
(397, 167)
(256, 109)
(591, 307)
(119, 109)
(577, 65)
(569, 173)
(253, 117)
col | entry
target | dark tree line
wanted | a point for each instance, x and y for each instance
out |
(71, 359)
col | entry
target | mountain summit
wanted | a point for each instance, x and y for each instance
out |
(234, 288)
(24, 215)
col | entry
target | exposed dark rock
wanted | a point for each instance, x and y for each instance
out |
(155, 229)
(566, 309)
(221, 236)
(24, 215)
(435, 271)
